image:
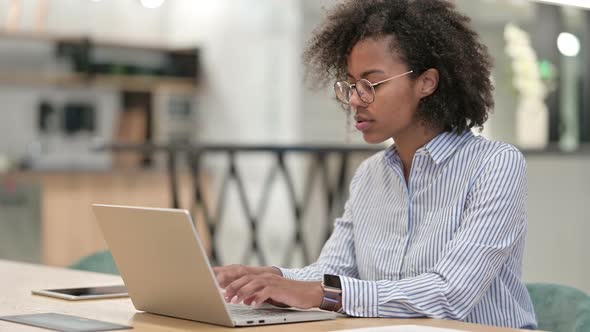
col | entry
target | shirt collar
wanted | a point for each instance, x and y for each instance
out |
(439, 148)
(445, 144)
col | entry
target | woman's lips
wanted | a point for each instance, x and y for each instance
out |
(363, 125)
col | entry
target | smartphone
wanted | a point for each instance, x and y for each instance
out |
(85, 293)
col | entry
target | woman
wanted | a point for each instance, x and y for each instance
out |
(435, 225)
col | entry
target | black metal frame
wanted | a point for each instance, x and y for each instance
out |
(335, 194)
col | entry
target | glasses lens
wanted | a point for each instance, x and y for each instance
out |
(365, 91)
(342, 90)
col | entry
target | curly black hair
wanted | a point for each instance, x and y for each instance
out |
(427, 34)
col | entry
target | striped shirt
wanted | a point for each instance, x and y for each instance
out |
(447, 244)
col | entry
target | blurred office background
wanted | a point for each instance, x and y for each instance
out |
(202, 105)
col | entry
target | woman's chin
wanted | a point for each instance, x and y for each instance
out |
(374, 139)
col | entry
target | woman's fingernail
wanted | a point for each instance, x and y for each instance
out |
(234, 300)
(253, 303)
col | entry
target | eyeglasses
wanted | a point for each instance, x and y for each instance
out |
(364, 88)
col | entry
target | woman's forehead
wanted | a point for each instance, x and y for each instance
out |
(371, 54)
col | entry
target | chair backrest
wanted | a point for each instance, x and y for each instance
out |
(560, 308)
(101, 261)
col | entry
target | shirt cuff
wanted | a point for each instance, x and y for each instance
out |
(287, 273)
(360, 298)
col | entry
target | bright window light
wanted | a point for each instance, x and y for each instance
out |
(568, 44)
(577, 3)
(152, 3)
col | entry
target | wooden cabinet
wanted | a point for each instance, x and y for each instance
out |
(68, 229)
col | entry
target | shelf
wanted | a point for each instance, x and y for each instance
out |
(34, 36)
(176, 72)
(139, 83)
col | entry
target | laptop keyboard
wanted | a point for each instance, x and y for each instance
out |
(246, 311)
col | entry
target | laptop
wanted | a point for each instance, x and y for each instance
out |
(166, 270)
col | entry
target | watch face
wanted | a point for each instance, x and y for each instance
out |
(332, 281)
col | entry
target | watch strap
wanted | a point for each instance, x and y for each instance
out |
(332, 301)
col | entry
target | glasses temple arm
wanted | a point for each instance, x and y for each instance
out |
(391, 78)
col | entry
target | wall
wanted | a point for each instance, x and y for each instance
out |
(558, 209)
(251, 85)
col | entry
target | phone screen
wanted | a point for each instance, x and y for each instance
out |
(88, 291)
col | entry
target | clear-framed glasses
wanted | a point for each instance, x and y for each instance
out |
(364, 88)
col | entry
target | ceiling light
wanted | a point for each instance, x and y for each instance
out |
(151, 4)
(568, 44)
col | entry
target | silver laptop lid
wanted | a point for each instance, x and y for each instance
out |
(162, 262)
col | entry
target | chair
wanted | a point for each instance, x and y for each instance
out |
(560, 308)
(101, 261)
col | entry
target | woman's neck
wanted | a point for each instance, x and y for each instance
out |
(407, 145)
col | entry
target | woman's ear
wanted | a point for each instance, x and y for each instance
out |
(428, 82)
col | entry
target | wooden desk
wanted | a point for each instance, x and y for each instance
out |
(18, 279)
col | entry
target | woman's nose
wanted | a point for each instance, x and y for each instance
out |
(355, 100)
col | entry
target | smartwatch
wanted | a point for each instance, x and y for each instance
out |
(332, 300)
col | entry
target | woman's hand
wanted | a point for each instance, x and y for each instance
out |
(254, 289)
(227, 274)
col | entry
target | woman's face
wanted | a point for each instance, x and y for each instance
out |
(392, 113)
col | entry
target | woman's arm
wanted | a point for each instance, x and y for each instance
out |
(337, 256)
